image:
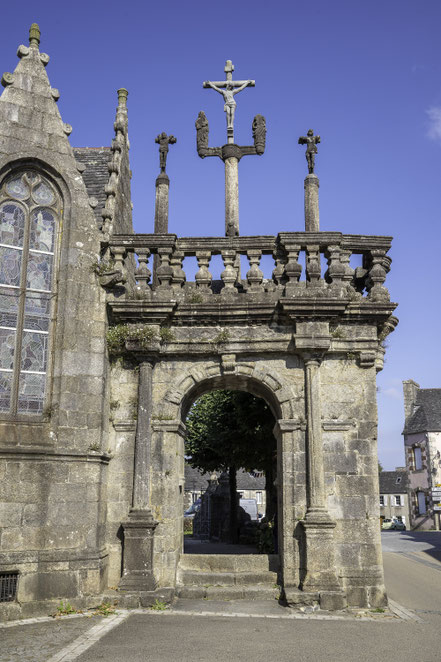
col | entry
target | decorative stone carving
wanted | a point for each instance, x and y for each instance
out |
(254, 275)
(164, 141)
(202, 131)
(203, 277)
(143, 273)
(55, 93)
(22, 51)
(311, 141)
(67, 129)
(7, 79)
(259, 133)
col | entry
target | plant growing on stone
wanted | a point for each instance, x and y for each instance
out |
(222, 337)
(158, 605)
(166, 334)
(101, 267)
(118, 335)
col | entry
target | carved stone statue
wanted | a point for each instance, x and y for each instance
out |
(164, 141)
(311, 141)
(202, 131)
(259, 133)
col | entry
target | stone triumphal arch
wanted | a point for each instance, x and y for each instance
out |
(92, 456)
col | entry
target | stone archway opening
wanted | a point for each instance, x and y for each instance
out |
(230, 494)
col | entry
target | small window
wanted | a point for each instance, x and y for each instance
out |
(397, 499)
(421, 503)
(8, 586)
(382, 500)
(259, 497)
(398, 480)
(417, 460)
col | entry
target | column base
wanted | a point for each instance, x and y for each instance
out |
(138, 552)
(321, 573)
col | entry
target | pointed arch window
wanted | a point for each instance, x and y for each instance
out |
(30, 209)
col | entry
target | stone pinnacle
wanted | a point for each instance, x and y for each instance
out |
(34, 35)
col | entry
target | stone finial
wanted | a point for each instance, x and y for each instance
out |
(34, 35)
(122, 96)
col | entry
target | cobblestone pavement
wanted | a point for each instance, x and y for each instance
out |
(40, 640)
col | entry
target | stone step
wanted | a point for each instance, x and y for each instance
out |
(255, 563)
(206, 578)
(246, 592)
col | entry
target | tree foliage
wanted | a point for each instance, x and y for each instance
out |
(230, 428)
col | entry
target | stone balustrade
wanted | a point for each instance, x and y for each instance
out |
(306, 264)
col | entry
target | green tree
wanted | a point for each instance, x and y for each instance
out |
(227, 430)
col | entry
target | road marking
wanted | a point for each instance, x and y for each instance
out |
(403, 613)
(89, 638)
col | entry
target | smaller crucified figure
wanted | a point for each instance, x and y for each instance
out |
(311, 141)
(164, 140)
(228, 95)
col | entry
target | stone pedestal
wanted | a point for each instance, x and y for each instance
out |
(138, 552)
(320, 558)
(312, 219)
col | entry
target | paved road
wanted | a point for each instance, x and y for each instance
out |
(413, 579)
(412, 568)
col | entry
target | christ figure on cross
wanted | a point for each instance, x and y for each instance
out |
(228, 95)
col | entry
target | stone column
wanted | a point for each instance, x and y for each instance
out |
(140, 526)
(321, 573)
(316, 476)
(312, 221)
(231, 155)
(161, 214)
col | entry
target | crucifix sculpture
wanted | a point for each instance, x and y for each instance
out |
(229, 88)
(230, 153)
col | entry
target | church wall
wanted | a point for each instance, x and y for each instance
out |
(54, 465)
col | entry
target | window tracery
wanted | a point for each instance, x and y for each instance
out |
(29, 212)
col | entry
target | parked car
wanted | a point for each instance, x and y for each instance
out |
(393, 525)
(191, 512)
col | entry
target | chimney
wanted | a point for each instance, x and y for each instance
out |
(410, 390)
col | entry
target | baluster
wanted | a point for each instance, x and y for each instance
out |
(229, 275)
(143, 273)
(179, 277)
(164, 272)
(255, 274)
(349, 274)
(336, 270)
(293, 270)
(377, 275)
(279, 276)
(313, 270)
(119, 254)
(203, 277)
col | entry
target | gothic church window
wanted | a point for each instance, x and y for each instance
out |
(29, 212)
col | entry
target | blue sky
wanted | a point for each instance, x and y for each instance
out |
(366, 76)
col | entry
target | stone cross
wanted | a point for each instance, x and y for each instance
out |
(310, 140)
(229, 88)
(164, 141)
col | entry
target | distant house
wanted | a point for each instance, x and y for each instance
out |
(249, 486)
(422, 443)
(394, 499)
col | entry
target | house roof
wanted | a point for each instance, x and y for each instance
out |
(393, 482)
(197, 481)
(96, 174)
(426, 415)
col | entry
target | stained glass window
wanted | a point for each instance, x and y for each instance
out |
(29, 210)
